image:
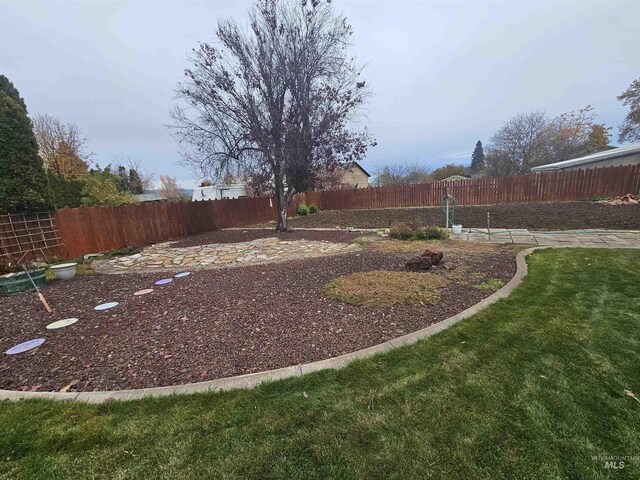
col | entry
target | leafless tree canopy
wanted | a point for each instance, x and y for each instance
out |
(62, 146)
(279, 99)
(169, 187)
(401, 174)
(531, 139)
(146, 175)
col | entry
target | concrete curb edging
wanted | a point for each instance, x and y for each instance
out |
(254, 379)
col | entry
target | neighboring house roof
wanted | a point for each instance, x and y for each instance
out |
(592, 158)
(454, 178)
(150, 197)
(356, 164)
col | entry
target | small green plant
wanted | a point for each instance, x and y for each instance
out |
(493, 284)
(313, 208)
(411, 231)
(122, 252)
(302, 209)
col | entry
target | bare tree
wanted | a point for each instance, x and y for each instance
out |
(146, 175)
(280, 98)
(62, 146)
(499, 164)
(169, 187)
(401, 174)
(521, 140)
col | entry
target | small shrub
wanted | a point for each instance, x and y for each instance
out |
(302, 209)
(431, 232)
(411, 231)
(313, 208)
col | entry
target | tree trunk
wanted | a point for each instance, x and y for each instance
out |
(282, 204)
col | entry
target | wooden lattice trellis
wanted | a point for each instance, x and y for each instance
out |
(28, 237)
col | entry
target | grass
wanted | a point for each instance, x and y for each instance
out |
(493, 284)
(531, 387)
(381, 288)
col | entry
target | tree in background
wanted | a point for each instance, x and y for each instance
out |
(629, 131)
(529, 140)
(62, 146)
(598, 138)
(499, 164)
(169, 187)
(279, 98)
(572, 135)
(520, 140)
(23, 182)
(398, 174)
(477, 158)
(141, 178)
(103, 187)
(448, 170)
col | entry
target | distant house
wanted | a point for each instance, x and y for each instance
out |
(454, 178)
(627, 155)
(150, 197)
(355, 176)
(219, 192)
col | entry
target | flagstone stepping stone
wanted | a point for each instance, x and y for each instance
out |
(25, 346)
(61, 323)
(106, 306)
(164, 281)
(143, 292)
(182, 274)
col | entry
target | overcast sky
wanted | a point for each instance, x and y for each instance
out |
(444, 73)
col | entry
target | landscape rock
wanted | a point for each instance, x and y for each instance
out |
(433, 255)
(418, 263)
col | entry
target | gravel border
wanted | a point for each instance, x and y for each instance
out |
(254, 379)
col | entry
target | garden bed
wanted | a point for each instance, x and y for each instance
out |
(532, 216)
(218, 323)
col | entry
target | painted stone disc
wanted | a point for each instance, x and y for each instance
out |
(164, 281)
(143, 292)
(106, 306)
(62, 323)
(25, 346)
(183, 274)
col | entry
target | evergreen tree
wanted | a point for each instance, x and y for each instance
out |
(23, 182)
(477, 159)
(135, 182)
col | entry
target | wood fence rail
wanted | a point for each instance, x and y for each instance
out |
(100, 229)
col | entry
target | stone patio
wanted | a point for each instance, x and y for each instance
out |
(266, 250)
(572, 238)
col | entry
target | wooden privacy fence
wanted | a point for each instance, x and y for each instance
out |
(532, 187)
(100, 229)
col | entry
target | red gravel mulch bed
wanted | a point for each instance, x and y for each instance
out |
(235, 236)
(534, 216)
(217, 323)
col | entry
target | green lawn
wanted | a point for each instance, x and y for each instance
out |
(532, 387)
